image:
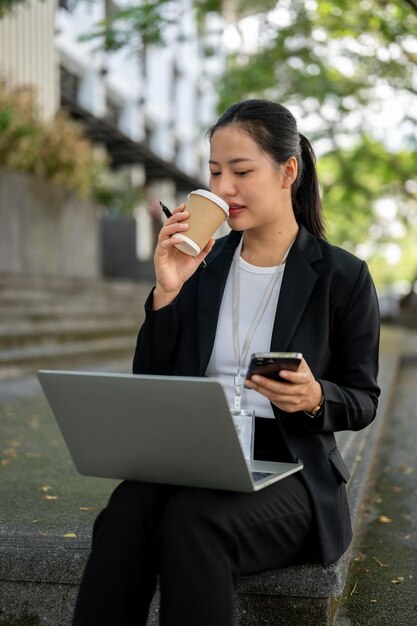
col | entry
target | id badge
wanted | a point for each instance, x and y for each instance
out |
(244, 421)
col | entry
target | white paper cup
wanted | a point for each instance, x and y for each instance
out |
(207, 212)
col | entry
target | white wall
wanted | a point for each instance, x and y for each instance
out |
(165, 92)
(27, 54)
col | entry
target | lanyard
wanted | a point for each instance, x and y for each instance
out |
(241, 356)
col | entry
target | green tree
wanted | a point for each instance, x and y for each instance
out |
(335, 63)
(6, 6)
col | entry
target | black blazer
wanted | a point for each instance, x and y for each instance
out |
(327, 310)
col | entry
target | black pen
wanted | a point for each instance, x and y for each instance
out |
(168, 213)
(165, 209)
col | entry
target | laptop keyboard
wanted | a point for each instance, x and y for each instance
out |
(260, 475)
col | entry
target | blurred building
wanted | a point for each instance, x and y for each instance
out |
(27, 51)
(148, 107)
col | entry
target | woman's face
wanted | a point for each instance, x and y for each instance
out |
(257, 191)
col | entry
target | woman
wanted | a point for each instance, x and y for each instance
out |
(320, 301)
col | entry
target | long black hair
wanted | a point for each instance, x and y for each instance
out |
(274, 129)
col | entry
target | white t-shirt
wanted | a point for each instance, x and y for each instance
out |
(253, 284)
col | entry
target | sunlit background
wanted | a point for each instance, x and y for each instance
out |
(110, 102)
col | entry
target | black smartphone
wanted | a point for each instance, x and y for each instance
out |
(269, 364)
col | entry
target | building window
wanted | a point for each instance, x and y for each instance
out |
(177, 149)
(113, 111)
(69, 85)
(149, 136)
(68, 5)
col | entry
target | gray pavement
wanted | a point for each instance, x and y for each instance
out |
(43, 494)
(44, 499)
(381, 589)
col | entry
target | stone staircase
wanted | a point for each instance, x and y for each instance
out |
(66, 322)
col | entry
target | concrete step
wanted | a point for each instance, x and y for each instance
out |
(44, 543)
(26, 333)
(64, 322)
(13, 284)
(44, 292)
(93, 301)
(19, 316)
(26, 361)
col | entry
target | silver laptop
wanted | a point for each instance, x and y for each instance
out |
(164, 429)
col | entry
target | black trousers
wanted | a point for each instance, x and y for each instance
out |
(198, 541)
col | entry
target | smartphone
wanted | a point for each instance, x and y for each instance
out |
(269, 364)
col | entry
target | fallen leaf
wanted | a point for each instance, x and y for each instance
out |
(10, 452)
(398, 580)
(86, 508)
(407, 469)
(46, 488)
(354, 589)
(407, 536)
(5, 462)
(373, 600)
(397, 489)
(70, 535)
(50, 497)
(384, 519)
(379, 562)
(360, 557)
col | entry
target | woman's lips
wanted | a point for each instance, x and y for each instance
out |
(235, 209)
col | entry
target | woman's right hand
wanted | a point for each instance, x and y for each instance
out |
(173, 267)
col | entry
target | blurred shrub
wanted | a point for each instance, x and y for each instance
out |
(59, 151)
(56, 150)
(7, 6)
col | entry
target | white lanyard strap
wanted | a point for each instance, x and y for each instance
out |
(241, 356)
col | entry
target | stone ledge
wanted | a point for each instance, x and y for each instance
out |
(31, 569)
(357, 448)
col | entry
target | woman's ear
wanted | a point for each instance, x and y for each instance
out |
(290, 170)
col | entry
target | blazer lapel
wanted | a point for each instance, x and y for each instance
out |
(211, 288)
(297, 284)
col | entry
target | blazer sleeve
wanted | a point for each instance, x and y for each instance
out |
(351, 392)
(157, 339)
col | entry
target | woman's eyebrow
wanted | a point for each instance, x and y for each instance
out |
(232, 161)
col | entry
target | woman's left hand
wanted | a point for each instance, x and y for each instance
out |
(300, 392)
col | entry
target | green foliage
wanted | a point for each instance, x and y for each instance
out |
(7, 6)
(134, 25)
(329, 60)
(114, 191)
(353, 179)
(58, 151)
(369, 40)
(146, 24)
(55, 149)
(326, 59)
(352, 182)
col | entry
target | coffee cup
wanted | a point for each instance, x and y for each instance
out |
(207, 212)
